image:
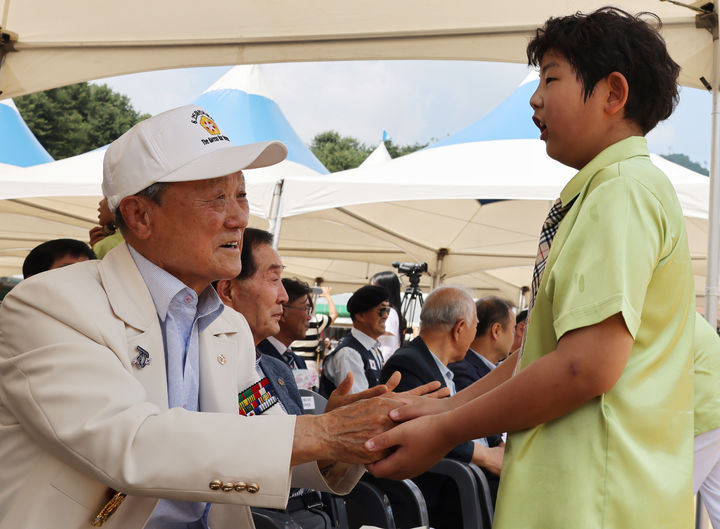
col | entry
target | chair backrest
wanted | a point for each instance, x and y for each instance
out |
(468, 491)
(485, 498)
(313, 403)
(366, 504)
(406, 499)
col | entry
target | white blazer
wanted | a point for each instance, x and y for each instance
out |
(76, 417)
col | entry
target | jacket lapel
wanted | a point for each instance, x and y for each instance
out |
(131, 301)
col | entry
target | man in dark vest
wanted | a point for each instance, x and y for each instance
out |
(359, 352)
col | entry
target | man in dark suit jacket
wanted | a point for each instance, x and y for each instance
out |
(493, 341)
(447, 327)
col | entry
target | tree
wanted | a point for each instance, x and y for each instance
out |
(338, 153)
(77, 118)
(402, 150)
(685, 161)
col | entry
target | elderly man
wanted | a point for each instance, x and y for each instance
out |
(492, 343)
(123, 381)
(359, 352)
(447, 327)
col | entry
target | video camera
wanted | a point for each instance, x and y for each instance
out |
(412, 270)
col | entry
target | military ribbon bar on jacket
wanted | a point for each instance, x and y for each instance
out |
(257, 398)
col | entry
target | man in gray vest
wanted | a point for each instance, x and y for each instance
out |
(359, 352)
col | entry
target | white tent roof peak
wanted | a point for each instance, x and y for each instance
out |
(378, 156)
(246, 77)
(532, 75)
(9, 103)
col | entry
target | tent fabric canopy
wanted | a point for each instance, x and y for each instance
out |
(41, 52)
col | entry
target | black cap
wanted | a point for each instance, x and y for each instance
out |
(367, 297)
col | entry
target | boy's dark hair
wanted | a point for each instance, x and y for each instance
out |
(612, 40)
(42, 257)
(492, 310)
(251, 239)
(296, 289)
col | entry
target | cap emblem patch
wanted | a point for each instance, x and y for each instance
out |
(209, 125)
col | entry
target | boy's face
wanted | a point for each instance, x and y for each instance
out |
(569, 125)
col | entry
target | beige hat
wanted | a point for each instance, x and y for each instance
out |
(179, 145)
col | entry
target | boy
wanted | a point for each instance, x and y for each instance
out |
(601, 407)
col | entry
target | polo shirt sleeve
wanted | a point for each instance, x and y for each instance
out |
(607, 261)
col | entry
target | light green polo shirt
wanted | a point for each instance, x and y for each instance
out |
(707, 377)
(622, 460)
(102, 247)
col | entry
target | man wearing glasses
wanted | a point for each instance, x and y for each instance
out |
(293, 325)
(359, 352)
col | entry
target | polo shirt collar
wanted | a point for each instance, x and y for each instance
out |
(621, 150)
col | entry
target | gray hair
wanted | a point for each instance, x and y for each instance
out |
(152, 192)
(445, 306)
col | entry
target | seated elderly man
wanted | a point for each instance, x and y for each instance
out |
(492, 343)
(261, 299)
(126, 391)
(447, 327)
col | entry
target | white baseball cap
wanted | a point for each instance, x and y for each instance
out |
(179, 145)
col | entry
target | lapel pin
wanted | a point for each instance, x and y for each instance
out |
(142, 359)
(221, 359)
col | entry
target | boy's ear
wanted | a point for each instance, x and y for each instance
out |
(618, 91)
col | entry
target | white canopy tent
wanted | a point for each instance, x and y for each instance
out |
(38, 52)
(422, 207)
(48, 44)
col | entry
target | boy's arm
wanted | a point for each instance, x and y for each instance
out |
(587, 362)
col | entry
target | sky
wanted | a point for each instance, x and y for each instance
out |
(414, 101)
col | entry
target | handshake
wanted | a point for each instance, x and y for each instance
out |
(350, 420)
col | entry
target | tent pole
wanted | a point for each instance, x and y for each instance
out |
(275, 219)
(437, 276)
(712, 275)
(712, 272)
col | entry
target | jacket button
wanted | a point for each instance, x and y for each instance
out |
(252, 488)
(240, 486)
(221, 359)
(215, 484)
(281, 381)
(228, 486)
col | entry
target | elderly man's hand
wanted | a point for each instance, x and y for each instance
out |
(342, 396)
(340, 435)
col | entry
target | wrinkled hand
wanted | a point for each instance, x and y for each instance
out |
(419, 444)
(340, 435)
(97, 234)
(342, 396)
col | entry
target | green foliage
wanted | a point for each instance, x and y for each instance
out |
(402, 150)
(685, 161)
(77, 118)
(338, 153)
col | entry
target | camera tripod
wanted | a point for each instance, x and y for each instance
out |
(408, 305)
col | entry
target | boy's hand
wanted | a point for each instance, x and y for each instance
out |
(340, 435)
(419, 404)
(418, 445)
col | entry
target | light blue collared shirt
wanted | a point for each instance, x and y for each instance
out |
(183, 316)
(446, 374)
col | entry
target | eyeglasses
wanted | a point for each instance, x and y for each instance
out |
(308, 309)
(384, 311)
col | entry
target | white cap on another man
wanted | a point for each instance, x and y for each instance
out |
(179, 145)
